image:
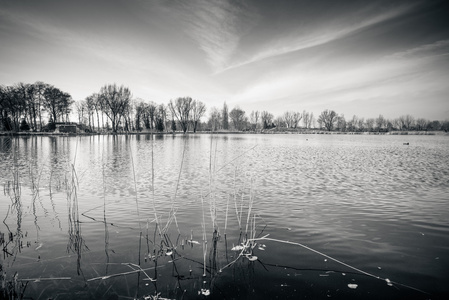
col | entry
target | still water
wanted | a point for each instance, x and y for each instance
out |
(225, 217)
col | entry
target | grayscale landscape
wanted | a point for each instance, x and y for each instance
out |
(224, 149)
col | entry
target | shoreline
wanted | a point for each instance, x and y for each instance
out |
(305, 132)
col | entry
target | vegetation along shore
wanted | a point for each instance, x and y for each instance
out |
(41, 108)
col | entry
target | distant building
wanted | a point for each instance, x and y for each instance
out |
(66, 127)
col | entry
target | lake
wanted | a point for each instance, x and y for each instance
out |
(225, 216)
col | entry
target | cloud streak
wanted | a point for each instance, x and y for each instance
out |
(289, 43)
(217, 27)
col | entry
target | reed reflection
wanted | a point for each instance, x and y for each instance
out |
(76, 242)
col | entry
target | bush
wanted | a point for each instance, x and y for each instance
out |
(24, 125)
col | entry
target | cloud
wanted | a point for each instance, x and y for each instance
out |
(319, 36)
(433, 49)
(216, 26)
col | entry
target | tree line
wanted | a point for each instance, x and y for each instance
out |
(24, 105)
(113, 108)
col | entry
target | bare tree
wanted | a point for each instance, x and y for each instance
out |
(39, 98)
(161, 117)
(406, 121)
(57, 103)
(267, 119)
(421, 124)
(280, 122)
(254, 119)
(215, 118)
(328, 119)
(409, 121)
(238, 118)
(198, 110)
(115, 101)
(297, 116)
(307, 119)
(287, 118)
(91, 107)
(80, 107)
(181, 109)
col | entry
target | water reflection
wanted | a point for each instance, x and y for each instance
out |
(76, 242)
(6, 145)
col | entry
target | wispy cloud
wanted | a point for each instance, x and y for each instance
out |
(328, 33)
(217, 27)
(426, 50)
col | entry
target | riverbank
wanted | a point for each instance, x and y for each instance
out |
(269, 131)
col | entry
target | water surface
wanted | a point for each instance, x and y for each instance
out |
(78, 209)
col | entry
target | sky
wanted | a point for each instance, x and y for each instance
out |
(361, 58)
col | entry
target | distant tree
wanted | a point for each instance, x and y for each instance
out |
(370, 124)
(445, 126)
(361, 124)
(297, 116)
(115, 101)
(389, 125)
(173, 125)
(267, 119)
(139, 116)
(57, 103)
(10, 107)
(150, 114)
(434, 125)
(39, 90)
(159, 125)
(181, 109)
(198, 110)
(80, 107)
(287, 119)
(90, 108)
(421, 124)
(238, 118)
(279, 122)
(307, 119)
(407, 122)
(328, 119)
(341, 123)
(254, 119)
(351, 125)
(215, 119)
(161, 116)
(26, 93)
(380, 122)
(225, 117)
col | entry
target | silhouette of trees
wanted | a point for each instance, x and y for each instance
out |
(115, 101)
(23, 106)
(57, 103)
